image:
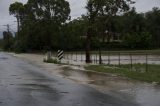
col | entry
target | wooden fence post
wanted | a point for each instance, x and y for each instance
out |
(131, 61)
(108, 58)
(119, 59)
(76, 56)
(146, 62)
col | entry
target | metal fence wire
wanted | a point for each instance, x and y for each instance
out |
(117, 58)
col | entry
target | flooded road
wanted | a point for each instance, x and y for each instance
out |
(25, 84)
(144, 94)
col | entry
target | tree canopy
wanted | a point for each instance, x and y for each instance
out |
(47, 24)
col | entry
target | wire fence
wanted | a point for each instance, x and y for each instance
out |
(118, 59)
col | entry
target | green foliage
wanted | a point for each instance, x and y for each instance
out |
(8, 41)
(153, 25)
(99, 14)
(41, 23)
(16, 9)
(74, 33)
(135, 40)
(43, 26)
(55, 10)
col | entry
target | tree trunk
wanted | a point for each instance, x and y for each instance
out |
(100, 56)
(18, 25)
(88, 46)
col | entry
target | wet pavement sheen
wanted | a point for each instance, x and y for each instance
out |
(145, 94)
(24, 84)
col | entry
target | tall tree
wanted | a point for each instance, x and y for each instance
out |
(101, 8)
(17, 9)
(51, 14)
(57, 10)
(42, 22)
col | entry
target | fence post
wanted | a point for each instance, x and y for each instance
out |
(146, 62)
(71, 57)
(81, 56)
(48, 55)
(100, 57)
(76, 56)
(108, 58)
(131, 61)
(96, 58)
(90, 57)
(66, 55)
(119, 59)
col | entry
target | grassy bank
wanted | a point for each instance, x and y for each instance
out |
(138, 71)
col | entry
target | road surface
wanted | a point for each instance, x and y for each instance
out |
(25, 84)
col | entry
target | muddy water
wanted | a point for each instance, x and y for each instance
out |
(143, 93)
(115, 58)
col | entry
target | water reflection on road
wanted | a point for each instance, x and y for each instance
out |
(144, 93)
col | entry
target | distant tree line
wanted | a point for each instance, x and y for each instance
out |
(47, 25)
(135, 30)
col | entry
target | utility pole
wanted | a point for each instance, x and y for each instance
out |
(8, 27)
(7, 36)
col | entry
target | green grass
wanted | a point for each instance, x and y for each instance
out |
(138, 71)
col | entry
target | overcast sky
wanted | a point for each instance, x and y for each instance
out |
(77, 8)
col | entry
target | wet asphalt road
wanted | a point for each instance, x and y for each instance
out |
(25, 84)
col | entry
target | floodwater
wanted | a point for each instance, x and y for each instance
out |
(117, 58)
(144, 94)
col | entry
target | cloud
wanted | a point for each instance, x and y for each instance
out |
(77, 7)
(146, 5)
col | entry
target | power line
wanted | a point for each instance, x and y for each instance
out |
(8, 27)
(12, 30)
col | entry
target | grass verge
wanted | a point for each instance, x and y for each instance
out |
(138, 71)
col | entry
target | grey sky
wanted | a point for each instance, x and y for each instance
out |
(77, 8)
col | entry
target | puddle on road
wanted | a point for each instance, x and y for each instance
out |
(145, 94)
(40, 90)
(3, 58)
